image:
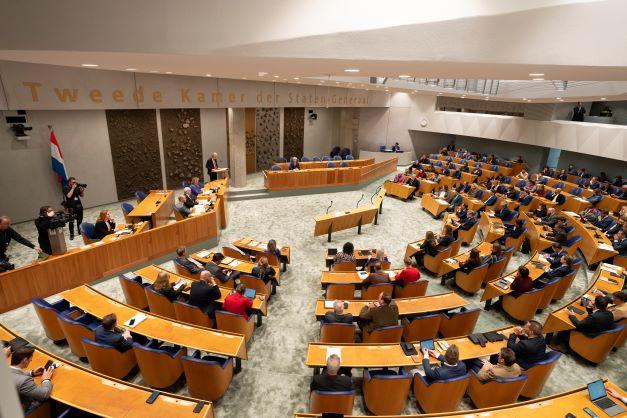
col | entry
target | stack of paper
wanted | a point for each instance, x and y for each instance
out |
(203, 254)
(334, 350)
(253, 243)
(606, 247)
(328, 304)
(227, 260)
(235, 263)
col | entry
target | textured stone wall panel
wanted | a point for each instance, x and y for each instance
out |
(135, 150)
(182, 145)
(267, 134)
(251, 139)
(293, 132)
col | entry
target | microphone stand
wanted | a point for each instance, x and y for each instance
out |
(329, 207)
(360, 199)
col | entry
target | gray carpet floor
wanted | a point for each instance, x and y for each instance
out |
(275, 381)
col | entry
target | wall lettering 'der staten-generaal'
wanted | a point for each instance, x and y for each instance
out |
(35, 86)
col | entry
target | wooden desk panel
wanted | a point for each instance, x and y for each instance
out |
(492, 290)
(491, 227)
(399, 190)
(433, 205)
(89, 391)
(340, 277)
(245, 245)
(98, 305)
(595, 245)
(339, 221)
(535, 230)
(406, 306)
(413, 247)
(149, 274)
(156, 207)
(140, 227)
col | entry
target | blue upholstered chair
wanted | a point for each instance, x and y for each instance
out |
(126, 209)
(47, 313)
(88, 232)
(139, 195)
(316, 159)
(207, 377)
(570, 246)
(337, 158)
(507, 179)
(538, 373)
(325, 158)
(108, 360)
(440, 396)
(491, 200)
(389, 334)
(343, 164)
(77, 329)
(275, 168)
(495, 392)
(385, 391)
(304, 160)
(338, 402)
(330, 165)
(160, 365)
(479, 194)
(349, 157)
(596, 349)
(282, 160)
(576, 191)
(521, 183)
(559, 184)
(134, 292)
(159, 304)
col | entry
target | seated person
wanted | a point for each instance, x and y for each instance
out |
(591, 215)
(444, 193)
(462, 212)
(525, 199)
(105, 225)
(346, 255)
(599, 319)
(237, 303)
(420, 174)
(477, 171)
(294, 164)
(496, 254)
(505, 368)
(463, 187)
(528, 344)
(272, 249)
(572, 169)
(381, 313)
(378, 258)
(447, 238)
(530, 187)
(29, 392)
(338, 315)
(523, 175)
(409, 274)
(622, 195)
(378, 276)
(163, 286)
(204, 293)
(565, 268)
(596, 197)
(108, 333)
(224, 275)
(558, 197)
(396, 147)
(265, 272)
(472, 262)
(619, 243)
(522, 282)
(554, 254)
(618, 181)
(605, 221)
(330, 380)
(594, 183)
(513, 231)
(449, 368)
(399, 178)
(504, 213)
(469, 222)
(188, 263)
(195, 187)
(429, 246)
(551, 218)
(562, 175)
(181, 207)
(190, 199)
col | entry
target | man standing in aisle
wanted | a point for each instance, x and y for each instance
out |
(6, 235)
(212, 166)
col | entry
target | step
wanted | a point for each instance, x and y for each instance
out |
(251, 196)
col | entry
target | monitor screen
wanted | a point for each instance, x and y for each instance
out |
(596, 390)
(249, 293)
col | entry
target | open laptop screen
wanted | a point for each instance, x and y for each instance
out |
(596, 390)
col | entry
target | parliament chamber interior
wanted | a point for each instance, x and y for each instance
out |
(313, 209)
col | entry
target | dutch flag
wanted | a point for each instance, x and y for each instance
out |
(58, 166)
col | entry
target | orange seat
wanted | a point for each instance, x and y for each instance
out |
(441, 396)
(134, 292)
(620, 260)
(208, 377)
(469, 235)
(160, 366)
(191, 314)
(433, 264)
(47, 313)
(472, 281)
(596, 349)
(108, 360)
(516, 242)
(411, 290)
(273, 260)
(523, 308)
(420, 328)
(548, 293)
(337, 333)
(233, 253)
(389, 334)
(373, 291)
(386, 392)
(455, 247)
(256, 283)
(495, 270)
(538, 374)
(159, 304)
(623, 335)
(495, 392)
(227, 321)
(344, 266)
(75, 330)
(459, 323)
(563, 285)
(333, 402)
(40, 411)
(340, 292)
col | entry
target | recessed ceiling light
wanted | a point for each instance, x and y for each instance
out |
(439, 94)
(337, 82)
(298, 82)
(296, 78)
(404, 76)
(322, 81)
(154, 71)
(603, 98)
(275, 76)
(89, 65)
(536, 74)
(243, 78)
(207, 75)
(537, 79)
(285, 79)
(168, 72)
(558, 98)
(262, 73)
(131, 69)
(352, 70)
(463, 97)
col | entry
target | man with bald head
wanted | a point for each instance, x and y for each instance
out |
(330, 380)
(212, 166)
(6, 235)
(338, 315)
(204, 293)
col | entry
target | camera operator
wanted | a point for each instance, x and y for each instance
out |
(72, 194)
(48, 219)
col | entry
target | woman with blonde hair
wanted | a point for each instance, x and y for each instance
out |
(163, 286)
(105, 225)
(265, 272)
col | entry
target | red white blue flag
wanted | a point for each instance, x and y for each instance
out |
(58, 165)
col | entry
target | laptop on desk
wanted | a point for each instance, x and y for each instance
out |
(599, 397)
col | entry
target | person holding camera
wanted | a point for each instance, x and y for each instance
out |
(72, 193)
(47, 220)
(6, 235)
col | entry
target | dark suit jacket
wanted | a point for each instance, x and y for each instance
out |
(594, 323)
(555, 259)
(549, 220)
(620, 246)
(528, 351)
(376, 278)
(188, 265)
(605, 223)
(514, 233)
(333, 318)
(526, 200)
(561, 271)
(445, 241)
(337, 383)
(468, 224)
(443, 372)
(204, 295)
(170, 293)
(113, 339)
(504, 214)
(189, 202)
(560, 199)
(461, 214)
(216, 271)
(101, 230)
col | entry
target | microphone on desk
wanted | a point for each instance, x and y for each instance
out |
(329, 206)
(360, 199)
(375, 193)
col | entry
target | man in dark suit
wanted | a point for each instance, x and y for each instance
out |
(381, 313)
(191, 265)
(204, 293)
(331, 380)
(504, 213)
(528, 344)
(525, 199)
(605, 221)
(471, 220)
(107, 333)
(620, 243)
(599, 319)
(578, 112)
(554, 254)
(338, 315)
(513, 231)
(212, 165)
(596, 197)
(450, 365)
(565, 268)
(551, 218)
(376, 277)
(224, 275)
(558, 197)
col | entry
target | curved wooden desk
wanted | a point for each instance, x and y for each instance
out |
(491, 227)
(155, 208)
(98, 305)
(595, 245)
(400, 190)
(554, 406)
(349, 277)
(434, 205)
(535, 230)
(454, 263)
(250, 246)
(406, 306)
(89, 391)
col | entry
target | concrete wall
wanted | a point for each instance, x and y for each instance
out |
(26, 176)
(321, 135)
(213, 131)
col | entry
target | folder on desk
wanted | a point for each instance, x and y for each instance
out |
(235, 263)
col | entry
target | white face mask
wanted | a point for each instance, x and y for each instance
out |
(50, 213)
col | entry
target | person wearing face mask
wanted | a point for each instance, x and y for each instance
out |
(46, 221)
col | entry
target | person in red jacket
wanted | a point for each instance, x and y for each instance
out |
(522, 282)
(237, 303)
(409, 274)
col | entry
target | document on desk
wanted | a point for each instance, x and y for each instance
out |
(606, 247)
(334, 350)
(328, 304)
(235, 263)
(203, 254)
(227, 260)
(253, 243)
(139, 318)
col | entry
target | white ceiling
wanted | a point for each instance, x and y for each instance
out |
(459, 39)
